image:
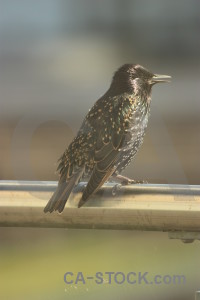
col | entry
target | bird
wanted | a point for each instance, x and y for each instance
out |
(109, 137)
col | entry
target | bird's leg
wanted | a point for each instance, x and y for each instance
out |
(123, 180)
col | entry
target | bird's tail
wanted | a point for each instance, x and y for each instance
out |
(62, 193)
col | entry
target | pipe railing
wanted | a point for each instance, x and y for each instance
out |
(172, 208)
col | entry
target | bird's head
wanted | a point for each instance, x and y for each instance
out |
(134, 78)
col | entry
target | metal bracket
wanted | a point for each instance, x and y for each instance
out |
(197, 295)
(184, 236)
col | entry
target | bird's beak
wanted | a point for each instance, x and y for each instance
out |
(160, 78)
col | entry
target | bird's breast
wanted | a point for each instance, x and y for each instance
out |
(136, 131)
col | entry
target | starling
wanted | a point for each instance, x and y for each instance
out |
(110, 135)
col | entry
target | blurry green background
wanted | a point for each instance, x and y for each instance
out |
(56, 58)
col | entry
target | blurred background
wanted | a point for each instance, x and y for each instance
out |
(57, 57)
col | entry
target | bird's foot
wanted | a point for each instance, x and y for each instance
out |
(116, 189)
(132, 181)
(123, 180)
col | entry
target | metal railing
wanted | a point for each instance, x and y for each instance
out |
(172, 208)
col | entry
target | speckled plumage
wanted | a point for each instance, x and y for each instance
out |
(109, 137)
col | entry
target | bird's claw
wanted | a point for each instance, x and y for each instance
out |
(123, 180)
(116, 188)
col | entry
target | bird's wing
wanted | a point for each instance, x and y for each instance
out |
(106, 154)
(105, 159)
